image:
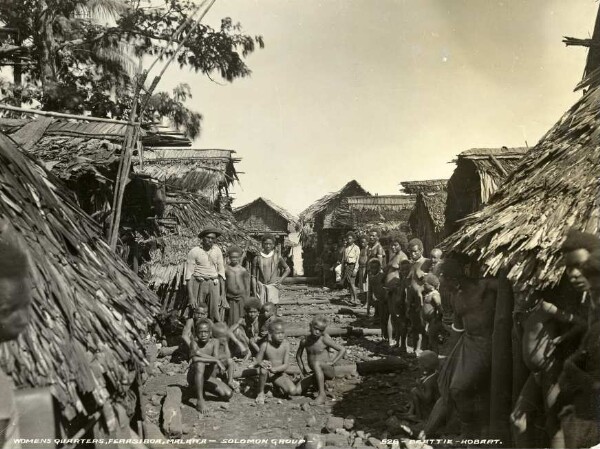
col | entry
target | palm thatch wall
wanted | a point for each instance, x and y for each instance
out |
(90, 312)
(427, 218)
(184, 216)
(479, 173)
(263, 215)
(209, 173)
(389, 212)
(554, 187)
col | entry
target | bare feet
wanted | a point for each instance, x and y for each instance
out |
(201, 407)
(319, 400)
(260, 399)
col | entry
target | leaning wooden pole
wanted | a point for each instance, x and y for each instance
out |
(133, 128)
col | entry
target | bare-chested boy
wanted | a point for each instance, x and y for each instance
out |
(273, 361)
(431, 312)
(317, 346)
(206, 366)
(247, 329)
(237, 284)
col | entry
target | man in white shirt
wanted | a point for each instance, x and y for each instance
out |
(205, 275)
(350, 266)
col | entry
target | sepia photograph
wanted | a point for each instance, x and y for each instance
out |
(299, 224)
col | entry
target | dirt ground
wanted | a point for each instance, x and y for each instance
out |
(370, 400)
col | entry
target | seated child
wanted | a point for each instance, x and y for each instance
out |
(317, 346)
(206, 366)
(237, 283)
(272, 361)
(247, 328)
(266, 317)
(376, 292)
(432, 312)
(426, 393)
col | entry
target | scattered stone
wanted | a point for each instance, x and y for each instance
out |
(334, 423)
(313, 441)
(349, 422)
(156, 400)
(186, 429)
(305, 407)
(336, 440)
(360, 434)
(171, 413)
(279, 401)
(393, 424)
(224, 406)
(376, 443)
(358, 442)
(311, 421)
(342, 432)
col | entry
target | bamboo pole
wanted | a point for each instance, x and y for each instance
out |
(134, 127)
(62, 115)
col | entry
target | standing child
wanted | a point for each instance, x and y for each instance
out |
(237, 282)
(431, 312)
(362, 269)
(317, 345)
(206, 368)
(266, 317)
(273, 361)
(265, 272)
(376, 292)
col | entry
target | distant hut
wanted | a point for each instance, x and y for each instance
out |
(423, 186)
(478, 174)
(90, 312)
(427, 218)
(264, 216)
(327, 218)
(381, 212)
(184, 216)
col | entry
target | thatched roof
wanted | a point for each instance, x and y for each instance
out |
(202, 171)
(427, 185)
(353, 188)
(185, 215)
(255, 224)
(434, 205)
(554, 187)
(90, 311)
(380, 211)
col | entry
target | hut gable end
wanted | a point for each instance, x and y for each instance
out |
(262, 216)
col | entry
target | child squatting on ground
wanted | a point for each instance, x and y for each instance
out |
(317, 346)
(272, 362)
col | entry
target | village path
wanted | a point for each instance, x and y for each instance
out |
(371, 400)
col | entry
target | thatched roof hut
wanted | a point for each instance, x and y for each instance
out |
(184, 216)
(423, 186)
(325, 213)
(84, 155)
(389, 212)
(479, 173)
(427, 218)
(90, 311)
(207, 172)
(264, 216)
(554, 187)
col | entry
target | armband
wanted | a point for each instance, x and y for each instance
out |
(455, 329)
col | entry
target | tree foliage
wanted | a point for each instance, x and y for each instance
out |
(82, 55)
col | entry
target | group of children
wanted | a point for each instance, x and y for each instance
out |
(213, 347)
(406, 298)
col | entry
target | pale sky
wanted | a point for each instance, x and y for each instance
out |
(385, 91)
